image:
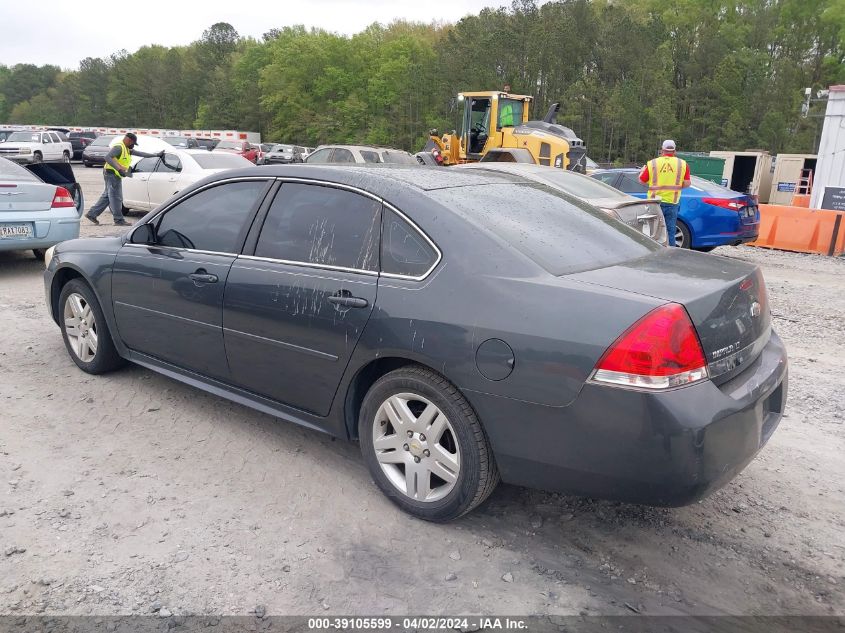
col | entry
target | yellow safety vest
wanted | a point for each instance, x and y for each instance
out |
(665, 177)
(506, 117)
(125, 160)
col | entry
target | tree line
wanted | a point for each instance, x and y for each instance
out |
(713, 74)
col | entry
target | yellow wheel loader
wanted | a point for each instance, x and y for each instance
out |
(495, 127)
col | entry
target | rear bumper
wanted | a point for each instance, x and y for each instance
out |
(47, 231)
(667, 449)
(93, 160)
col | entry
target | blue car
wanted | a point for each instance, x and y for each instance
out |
(710, 215)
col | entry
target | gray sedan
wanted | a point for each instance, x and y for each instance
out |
(642, 215)
(464, 326)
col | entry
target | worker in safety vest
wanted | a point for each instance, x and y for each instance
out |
(506, 118)
(117, 166)
(665, 176)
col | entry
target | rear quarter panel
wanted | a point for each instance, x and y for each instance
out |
(483, 289)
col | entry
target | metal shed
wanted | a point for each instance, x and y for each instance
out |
(794, 175)
(748, 172)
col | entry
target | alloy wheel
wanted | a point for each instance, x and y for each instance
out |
(416, 447)
(80, 327)
(679, 237)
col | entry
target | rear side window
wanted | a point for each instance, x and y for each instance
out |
(370, 156)
(403, 250)
(213, 219)
(342, 155)
(321, 225)
(560, 234)
(631, 184)
(608, 178)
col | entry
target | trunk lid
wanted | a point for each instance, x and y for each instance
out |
(25, 196)
(725, 299)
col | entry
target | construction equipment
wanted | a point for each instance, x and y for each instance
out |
(494, 124)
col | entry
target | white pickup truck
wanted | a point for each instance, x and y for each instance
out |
(33, 146)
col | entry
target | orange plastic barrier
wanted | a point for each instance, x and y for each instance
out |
(801, 230)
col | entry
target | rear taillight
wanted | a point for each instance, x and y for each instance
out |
(660, 351)
(62, 199)
(725, 203)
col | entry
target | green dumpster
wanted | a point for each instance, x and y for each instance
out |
(704, 166)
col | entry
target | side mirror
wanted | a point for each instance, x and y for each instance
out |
(143, 234)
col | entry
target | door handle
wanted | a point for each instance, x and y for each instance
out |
(345, 298)
(203, 277)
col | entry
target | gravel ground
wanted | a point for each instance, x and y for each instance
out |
(134, 494)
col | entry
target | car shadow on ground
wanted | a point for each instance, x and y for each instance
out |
(19, 262)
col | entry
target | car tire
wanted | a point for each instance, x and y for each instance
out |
(66, 156)
(87, 164)
(39, 253)
(37, 157)
(80, 315)
(705, 249)
(426, 403)
(682, 235)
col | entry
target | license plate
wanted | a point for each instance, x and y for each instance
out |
(12, 231)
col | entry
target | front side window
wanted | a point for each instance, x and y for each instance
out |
(169, 164)
(145, 165)
(321, 225)
(320, 156)
(213, 219)
(403, 250)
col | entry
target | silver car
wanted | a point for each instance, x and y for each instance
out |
(642, 215)
(34, 215)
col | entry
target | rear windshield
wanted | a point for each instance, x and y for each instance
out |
(581, 186)
(10, 171)
(101, 140)
(177, 141)
(228, 145)
(220, 161)
(283, 149)
(711, 187)
(561, 235)
(82, 135)
(398, 158)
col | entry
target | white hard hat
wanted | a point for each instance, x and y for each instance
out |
(668, 145)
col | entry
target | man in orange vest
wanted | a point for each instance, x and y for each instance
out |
(665, 176)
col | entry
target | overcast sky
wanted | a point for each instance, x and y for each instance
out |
(63, 32)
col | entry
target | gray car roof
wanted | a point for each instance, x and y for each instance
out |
(379, 177)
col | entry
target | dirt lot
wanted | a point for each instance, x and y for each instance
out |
(131, 493)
